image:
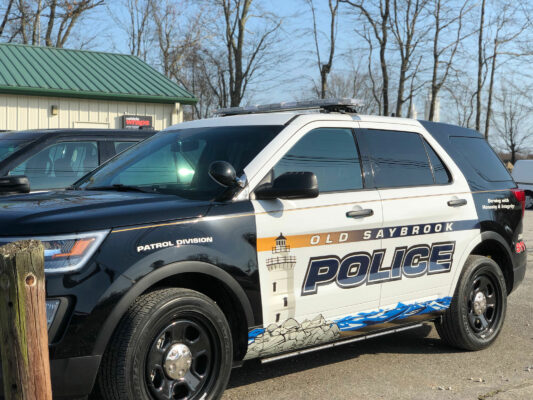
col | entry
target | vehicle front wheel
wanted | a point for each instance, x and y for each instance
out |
(171, 344)
(477, 311)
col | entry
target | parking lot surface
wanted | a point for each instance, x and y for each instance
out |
(410, 365)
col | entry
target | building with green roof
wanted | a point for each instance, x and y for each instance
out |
(48, 88)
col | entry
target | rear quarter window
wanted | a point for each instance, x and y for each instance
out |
(481, 157)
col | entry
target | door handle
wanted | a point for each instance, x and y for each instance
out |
(457, 203)
(360, 213)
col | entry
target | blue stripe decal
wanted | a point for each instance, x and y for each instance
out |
(361, 320)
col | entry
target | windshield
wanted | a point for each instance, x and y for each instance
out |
(9, 146)
(177, 162)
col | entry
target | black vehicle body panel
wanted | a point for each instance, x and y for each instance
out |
(94, 299)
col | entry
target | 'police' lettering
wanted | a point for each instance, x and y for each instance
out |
(320, 272)
(441, 258)
(353, 270)
(357, 268)
(416, 261)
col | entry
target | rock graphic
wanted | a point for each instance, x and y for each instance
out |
(292, 335)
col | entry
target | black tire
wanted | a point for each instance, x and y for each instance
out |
(465, 325)
(158, 323)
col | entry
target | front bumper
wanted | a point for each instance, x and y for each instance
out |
(71, 377)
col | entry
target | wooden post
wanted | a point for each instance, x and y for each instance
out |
(23, 328)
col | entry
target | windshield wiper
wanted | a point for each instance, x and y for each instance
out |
(119, 187)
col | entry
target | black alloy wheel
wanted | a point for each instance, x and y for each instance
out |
(181, 359)
(484, 304)
(172, 344)
(477, 310)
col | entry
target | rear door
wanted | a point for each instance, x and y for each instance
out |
(313, 261)
(429, 215)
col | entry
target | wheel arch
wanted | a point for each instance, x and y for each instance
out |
(494, 246)
(206, 278)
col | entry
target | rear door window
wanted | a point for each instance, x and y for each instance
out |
(398, 159)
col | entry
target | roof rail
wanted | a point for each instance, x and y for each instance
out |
(343, 105)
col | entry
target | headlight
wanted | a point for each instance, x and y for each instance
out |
(66, 253)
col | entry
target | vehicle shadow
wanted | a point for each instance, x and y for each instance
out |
(414, 341)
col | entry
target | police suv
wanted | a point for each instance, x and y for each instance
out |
(264, 233)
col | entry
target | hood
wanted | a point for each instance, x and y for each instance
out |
(73, 211)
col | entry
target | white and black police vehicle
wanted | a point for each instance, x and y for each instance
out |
(264, 233)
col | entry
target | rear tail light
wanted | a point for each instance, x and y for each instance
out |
(520, 247)
(520, 196)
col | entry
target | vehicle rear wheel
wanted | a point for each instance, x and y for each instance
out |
(171, 344)
(477, 311)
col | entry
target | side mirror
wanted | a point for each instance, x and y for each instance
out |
(223, 173)
(290, 185)
(14, 185)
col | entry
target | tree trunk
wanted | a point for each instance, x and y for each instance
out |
(401, 88)
(382, 57)
(6, 17)
(491, 90)
(480, 67)
(51, 20)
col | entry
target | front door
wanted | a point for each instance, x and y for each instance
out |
(313, 259)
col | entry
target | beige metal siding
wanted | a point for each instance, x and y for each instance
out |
(33, 112)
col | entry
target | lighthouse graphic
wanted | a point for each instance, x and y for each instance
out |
(281, 272)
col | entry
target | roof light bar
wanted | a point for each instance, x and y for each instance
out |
(329, 105)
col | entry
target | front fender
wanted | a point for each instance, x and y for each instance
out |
(159, 274)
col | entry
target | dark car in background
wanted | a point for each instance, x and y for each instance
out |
(55, 159)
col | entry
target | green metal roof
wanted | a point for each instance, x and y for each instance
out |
(47, 71)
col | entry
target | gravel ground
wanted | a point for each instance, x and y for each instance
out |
(408, 365)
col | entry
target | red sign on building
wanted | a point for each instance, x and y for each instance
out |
(137, 122)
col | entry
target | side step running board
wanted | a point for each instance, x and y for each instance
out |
(338, 343)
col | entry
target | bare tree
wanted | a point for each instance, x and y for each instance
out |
(59, 17)
(462, 98)
(480, 62)
(63, 21)
(449, 25)
(5, 18)
(324, 68)
(180, 39)
(245, 50)
(405, 17)
(507, 29)
(138, 24)
(377, 15)
(353, 84)
(512, 120)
